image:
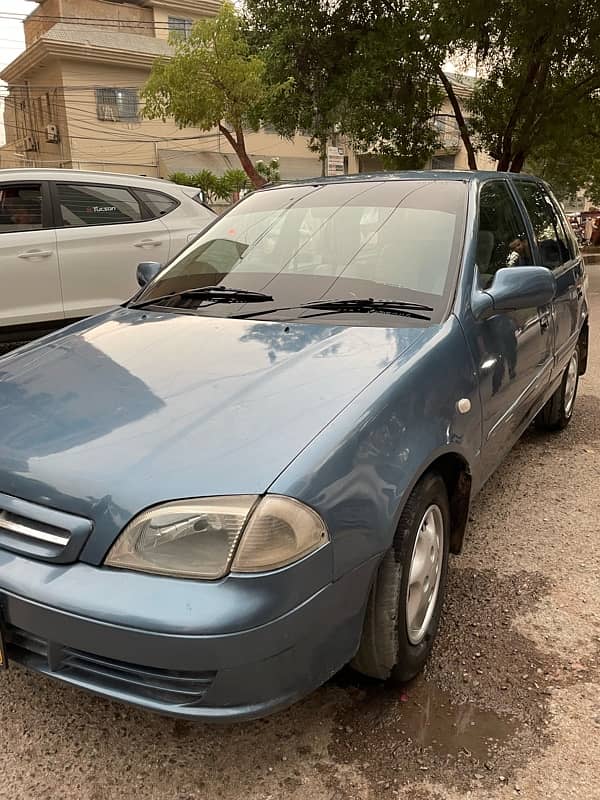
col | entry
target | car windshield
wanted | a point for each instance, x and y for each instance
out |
(391, 240)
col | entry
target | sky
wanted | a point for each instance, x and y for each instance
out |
(11, 30)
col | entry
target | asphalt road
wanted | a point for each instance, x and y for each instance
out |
(509, 705)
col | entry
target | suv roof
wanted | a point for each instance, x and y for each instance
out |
(55, 173)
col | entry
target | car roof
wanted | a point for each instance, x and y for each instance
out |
(51, 174)
(408, 175)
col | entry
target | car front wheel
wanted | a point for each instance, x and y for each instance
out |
(557, 412)
(405, 603)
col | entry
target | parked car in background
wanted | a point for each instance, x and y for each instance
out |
(215, 496)
(70, 241)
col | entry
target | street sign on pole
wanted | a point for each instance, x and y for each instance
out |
(335, 161)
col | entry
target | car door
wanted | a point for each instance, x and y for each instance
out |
(29, 273)
(104, 233)
(558, 252)
(513, 351)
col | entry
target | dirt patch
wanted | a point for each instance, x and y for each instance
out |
(480, 710)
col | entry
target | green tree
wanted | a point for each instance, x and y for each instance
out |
(307, 42)
(539, 65)
(572, 165)
(392, 89)
(357, 69)
(213, 80)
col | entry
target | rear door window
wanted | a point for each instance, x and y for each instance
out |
(84, 204)
(20, 207)
(553, 245)
(157, 203)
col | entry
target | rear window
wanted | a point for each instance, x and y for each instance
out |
(85, 204)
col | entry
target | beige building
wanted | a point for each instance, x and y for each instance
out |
(73, 98)
(74, 94)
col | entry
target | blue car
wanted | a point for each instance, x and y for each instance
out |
(218, 494)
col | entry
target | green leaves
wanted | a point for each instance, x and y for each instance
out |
(352, 67)
(213, 187)
(539, 62)
(214, 79)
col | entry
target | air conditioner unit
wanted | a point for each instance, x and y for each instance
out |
(52, 133)
(107, 112)
(30, 143)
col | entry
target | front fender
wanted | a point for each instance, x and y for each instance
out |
(359, 471)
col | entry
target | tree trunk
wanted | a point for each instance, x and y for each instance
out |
(323, 155)
(504, 162)
(529, 86)
(460, 120)
(239, 145)
(517, 162)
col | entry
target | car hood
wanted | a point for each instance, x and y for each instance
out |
(134, 408)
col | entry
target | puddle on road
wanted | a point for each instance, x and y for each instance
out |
(430, 720)
(420, 732)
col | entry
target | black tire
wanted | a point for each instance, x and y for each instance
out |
(557, 413)
(385, 650)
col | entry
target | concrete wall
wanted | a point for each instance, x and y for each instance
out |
(34, 26)
(130, 18)
(161, 19)
(30, 111)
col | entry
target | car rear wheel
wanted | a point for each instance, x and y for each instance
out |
(557, 412)
(405, 603)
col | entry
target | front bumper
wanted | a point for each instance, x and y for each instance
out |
(233, 676)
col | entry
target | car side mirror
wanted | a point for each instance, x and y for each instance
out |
(515, 288)
(147, 271)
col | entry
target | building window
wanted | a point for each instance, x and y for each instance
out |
(117, 104)
(179, 26)
(442, 162)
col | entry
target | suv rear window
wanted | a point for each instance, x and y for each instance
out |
(90, 204)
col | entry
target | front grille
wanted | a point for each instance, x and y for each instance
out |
(167, 687)
(40, 532)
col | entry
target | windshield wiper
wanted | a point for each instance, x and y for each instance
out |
(221, 294)
(367, 304)
(363, 305)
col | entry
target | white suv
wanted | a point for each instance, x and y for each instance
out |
(70, 241)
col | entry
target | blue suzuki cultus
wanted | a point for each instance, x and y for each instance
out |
(215, 496)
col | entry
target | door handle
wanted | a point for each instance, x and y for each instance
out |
(545, 320)
(148, 243)
(32, 254)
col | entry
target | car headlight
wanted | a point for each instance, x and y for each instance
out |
(206, 538)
